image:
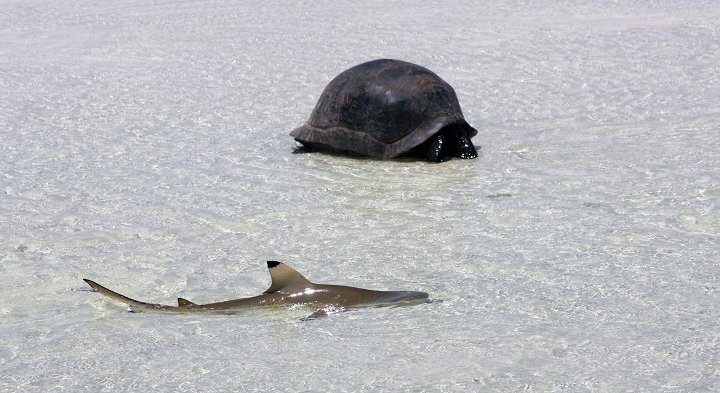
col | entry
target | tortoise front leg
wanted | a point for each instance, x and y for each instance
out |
(465, 148)
(436, 151)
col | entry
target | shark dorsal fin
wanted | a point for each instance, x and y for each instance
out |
(283, 276)
(184, 303)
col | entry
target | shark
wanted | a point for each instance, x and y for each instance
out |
(288, 288)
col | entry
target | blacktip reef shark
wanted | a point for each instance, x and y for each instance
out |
(288, 288)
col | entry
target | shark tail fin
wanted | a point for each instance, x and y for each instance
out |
(283, 276)
(135, 305)
(184, 303)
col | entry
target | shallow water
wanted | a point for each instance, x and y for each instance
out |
(144, 145)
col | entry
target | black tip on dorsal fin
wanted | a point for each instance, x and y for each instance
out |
(182, 303)
(283, 276)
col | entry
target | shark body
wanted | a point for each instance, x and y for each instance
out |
(288, 288)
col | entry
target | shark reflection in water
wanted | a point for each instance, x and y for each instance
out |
(288, 288)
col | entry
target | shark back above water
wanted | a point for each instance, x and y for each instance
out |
(288, 288)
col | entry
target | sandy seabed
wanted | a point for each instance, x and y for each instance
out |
(144, 144)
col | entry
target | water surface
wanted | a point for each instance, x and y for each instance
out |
(144, 145)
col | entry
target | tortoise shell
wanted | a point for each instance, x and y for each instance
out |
(383, 109)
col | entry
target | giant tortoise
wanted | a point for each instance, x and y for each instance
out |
(385, 109)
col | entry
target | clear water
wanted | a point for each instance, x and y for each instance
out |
(144, 145)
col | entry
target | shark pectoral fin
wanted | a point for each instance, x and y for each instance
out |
(321, 313)
(184, 303)
(283, 276)
(324, 312)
